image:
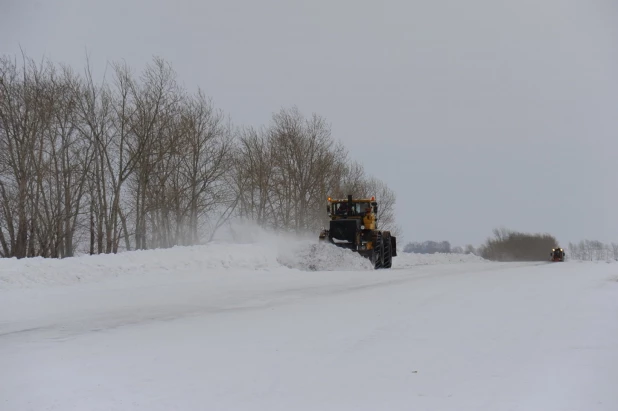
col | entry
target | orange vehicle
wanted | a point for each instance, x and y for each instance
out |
(557, 254)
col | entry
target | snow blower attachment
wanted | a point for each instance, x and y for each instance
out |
(557, 254)
(353, 225)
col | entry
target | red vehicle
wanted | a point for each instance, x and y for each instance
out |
(557, 254)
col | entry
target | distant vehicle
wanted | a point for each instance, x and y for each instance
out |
(557, 254)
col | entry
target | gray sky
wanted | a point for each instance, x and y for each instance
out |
(478, 114)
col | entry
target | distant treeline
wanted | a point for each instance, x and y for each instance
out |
(433, 247)
(592, 250)
(507, 245)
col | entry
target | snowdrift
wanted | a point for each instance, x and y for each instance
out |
(209, 257)
(256, 251)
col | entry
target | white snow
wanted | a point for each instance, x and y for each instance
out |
(262, 326)
(274, 254)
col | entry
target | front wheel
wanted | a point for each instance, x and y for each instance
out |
(377, 257)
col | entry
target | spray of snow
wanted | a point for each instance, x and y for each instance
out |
(323, 257)
(299, 251)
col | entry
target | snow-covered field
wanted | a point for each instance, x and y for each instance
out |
(266, 326)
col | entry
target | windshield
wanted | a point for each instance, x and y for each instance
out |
(356, 209)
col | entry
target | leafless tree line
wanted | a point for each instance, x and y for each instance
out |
(592, 250)
(433, 247)
(138, 162)
(507, 245)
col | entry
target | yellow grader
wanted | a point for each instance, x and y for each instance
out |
(353, 225)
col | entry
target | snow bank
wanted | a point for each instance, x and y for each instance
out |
(239, 247)
(214, 256)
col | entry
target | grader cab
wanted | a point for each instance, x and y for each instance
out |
(354, 225)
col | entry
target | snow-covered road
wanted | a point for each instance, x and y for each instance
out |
(448, 335)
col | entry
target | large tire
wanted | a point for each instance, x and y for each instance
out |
(377, 258)
(388, 250)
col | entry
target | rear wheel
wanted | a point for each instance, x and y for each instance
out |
(377, 257)
(388, 250)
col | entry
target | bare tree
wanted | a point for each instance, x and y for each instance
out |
(156, 99)
(599, 250)
(24, 115)
(71, 157)
(573, 251)
(104, 120)
(253, 175)
(307, 165)
(199, 187)
(353, 180)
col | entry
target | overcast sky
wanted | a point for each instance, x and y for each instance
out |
(478, 113)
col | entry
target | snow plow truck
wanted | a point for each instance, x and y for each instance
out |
(353, 225)
(557, 254)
